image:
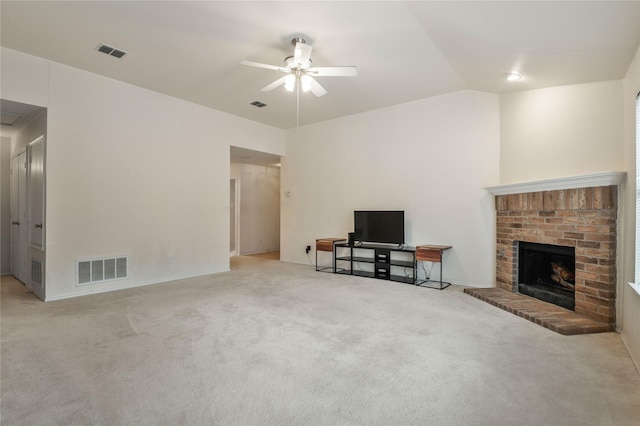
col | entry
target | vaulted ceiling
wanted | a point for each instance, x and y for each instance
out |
(404, 51)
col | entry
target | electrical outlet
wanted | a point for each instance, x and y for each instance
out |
(308, 249)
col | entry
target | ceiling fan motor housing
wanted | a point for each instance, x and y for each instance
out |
(288, 62)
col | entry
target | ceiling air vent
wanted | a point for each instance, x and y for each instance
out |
(111, 51)
(258, 104)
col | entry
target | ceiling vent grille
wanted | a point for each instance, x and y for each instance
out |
(111, 51)
(99, 270)
(258, 104)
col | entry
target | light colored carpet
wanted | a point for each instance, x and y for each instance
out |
(272, 343)
(271, 255)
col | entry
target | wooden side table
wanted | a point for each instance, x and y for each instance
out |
(327, 244)
(431, 253)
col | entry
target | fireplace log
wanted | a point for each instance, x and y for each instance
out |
(563, 283)
(563, 272)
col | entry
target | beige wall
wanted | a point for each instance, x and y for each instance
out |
(5, 223)
(561, 131)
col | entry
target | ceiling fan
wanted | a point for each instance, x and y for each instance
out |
(299, 71)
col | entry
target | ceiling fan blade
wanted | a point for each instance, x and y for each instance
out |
(317, 89)
(267, 66)
(301, 55)
(332, 71)
(278, 82)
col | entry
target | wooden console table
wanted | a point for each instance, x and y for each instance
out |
(432, 253)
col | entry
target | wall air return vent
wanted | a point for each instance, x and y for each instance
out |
(36, 271)
(111, 51)
(99, 270)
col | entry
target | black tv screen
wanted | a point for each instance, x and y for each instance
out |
(379, 226)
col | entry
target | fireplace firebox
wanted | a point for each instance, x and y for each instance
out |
(547, 272)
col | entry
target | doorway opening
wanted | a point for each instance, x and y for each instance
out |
(23, 140)
(254, 198)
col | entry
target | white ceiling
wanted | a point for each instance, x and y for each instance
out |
(404, 51)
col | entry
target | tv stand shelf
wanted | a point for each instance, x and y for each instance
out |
(377, 261)
(387, 262)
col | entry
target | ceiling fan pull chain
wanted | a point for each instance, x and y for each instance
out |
(298, 111)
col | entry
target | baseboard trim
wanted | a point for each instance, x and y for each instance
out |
(143, 284)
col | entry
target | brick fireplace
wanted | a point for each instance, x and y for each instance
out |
(582, 218)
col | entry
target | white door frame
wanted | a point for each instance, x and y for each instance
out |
(236, 211)
(19, 216)
(36, 188)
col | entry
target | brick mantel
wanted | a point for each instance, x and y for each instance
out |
(584, 218)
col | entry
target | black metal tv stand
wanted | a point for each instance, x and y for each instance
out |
(385, 262)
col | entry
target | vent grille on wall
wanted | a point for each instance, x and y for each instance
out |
(36, 272)
(98, 270)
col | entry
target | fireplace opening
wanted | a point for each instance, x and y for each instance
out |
(547, 272)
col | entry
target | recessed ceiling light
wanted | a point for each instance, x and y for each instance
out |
(512, 76)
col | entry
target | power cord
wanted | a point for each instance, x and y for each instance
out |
(427, 276)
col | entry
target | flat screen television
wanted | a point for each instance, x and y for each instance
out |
(379, 226)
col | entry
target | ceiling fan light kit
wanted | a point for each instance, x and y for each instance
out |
(299, 71)
(513, 76)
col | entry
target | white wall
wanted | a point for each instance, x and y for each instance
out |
(430, 158)
(259, 188)
(131, 172)
(561, 131)
(24, 77)
(630, 299)
(5, 212)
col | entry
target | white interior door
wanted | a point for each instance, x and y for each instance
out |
(19, 223)
(35, 172)
(36, 215)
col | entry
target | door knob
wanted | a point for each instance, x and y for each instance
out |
(38, 225)
(15, 223)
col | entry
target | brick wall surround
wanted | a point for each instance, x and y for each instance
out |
(584, 218)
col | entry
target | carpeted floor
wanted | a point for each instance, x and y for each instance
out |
(272, 343)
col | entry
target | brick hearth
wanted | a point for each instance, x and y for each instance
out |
(584, 218)
(542, 313)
